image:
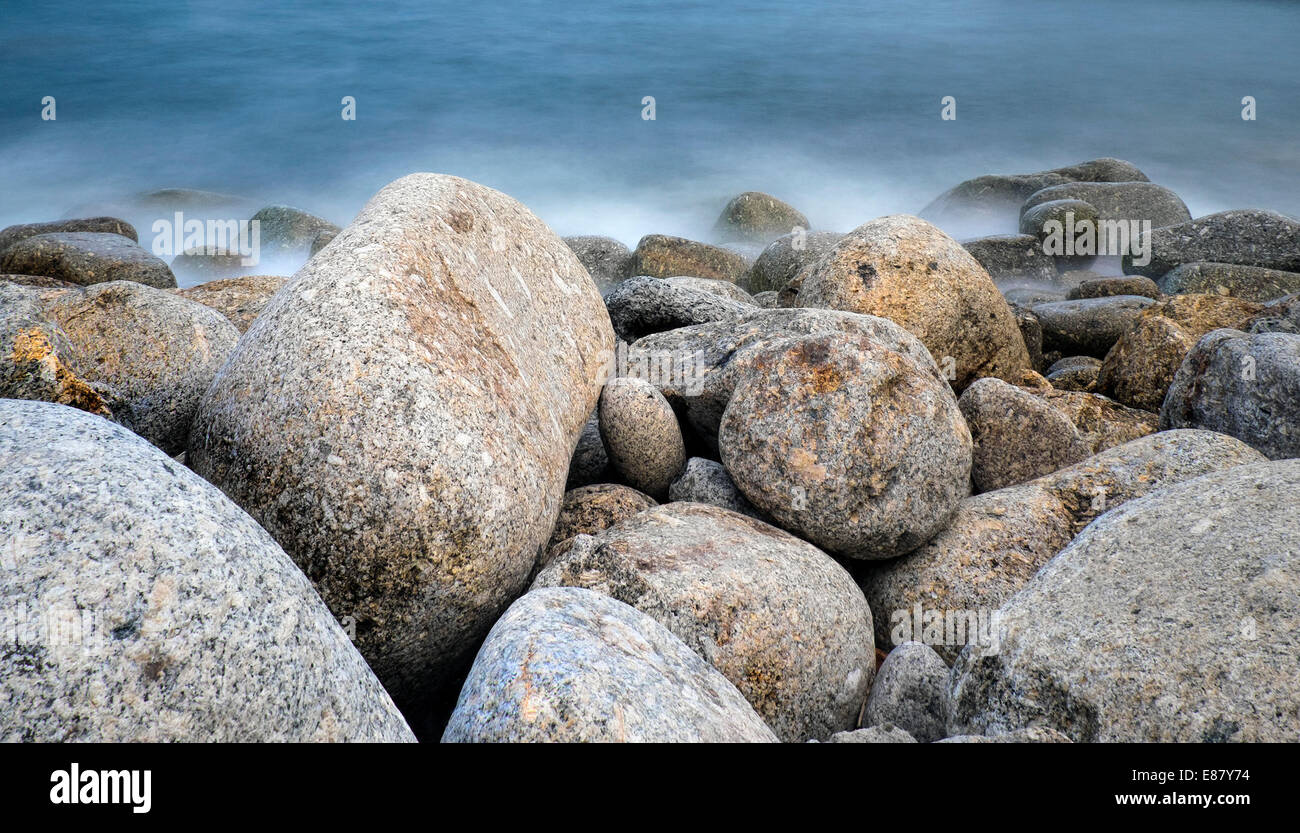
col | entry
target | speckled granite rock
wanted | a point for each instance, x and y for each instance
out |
(662, 256)
(644, 305)
(1171, 618)
(998, 540)
(875, 734)
(1140, 367)
(590, 463)
(1254, 283)
(322, 238)
(1034, 220)
(37, 359)
(1118, 201)
(194, 266)
(741, 594)
(401, 416)
(904, 269)
(150, 608)
(767, 300)
(1078, 373)
(605, 258)
(723, 289)
(1110, 287)
(715, 356)
(1102, 422)
(105, 225)
(641, 435)
(755, 217)
(589, 510)
(1244, 237)
(1088, 327)
(1246, 386)
(1034, 734)
(86, 257)
(707, 481)
(1031, 330)
(911, 692)
(288, 230)
(566, 664)
(1016, 436)
(1011, 256)
(777, 265)
(239, 299)
(821, 434)
(1279, 316)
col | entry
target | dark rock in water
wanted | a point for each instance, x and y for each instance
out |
(644, 305)
(707, 481)
(105, 225)
(1253, 283)
(742, 595)
(1016, 436)
(755, 217)
(239, 299)
(904, 269)
(589, 464)
(784, 257)
(1280, 316)
(322, 239)
(1109, 287)
(1244, 238)
(1118, 201)
(911, 692)
(85, 258)
(201, 266)
(991, 204)
(997, 541)
(821, 432)
(606, 259)
(286, 230)
(885, 733)
(1025, 297)
(1169, 619)
(566, 664)
(589, 510)
(1011, 256)
(661, 256)
(158, 610)
(641, 434)
(401, 418)
(1088, 327)
(1034, 220)
(1075, 373)
(1246, 386)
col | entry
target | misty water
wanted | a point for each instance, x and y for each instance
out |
(832, 106)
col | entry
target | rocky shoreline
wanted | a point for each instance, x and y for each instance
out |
(459, 478)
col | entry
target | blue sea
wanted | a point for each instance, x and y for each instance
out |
(832, 106)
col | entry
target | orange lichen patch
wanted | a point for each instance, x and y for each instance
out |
(32, 347)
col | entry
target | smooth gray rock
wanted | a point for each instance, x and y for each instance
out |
(147, 607)
(1109, 287)
(1169, 619)
(743, 595)
(821, 432)
(875, 734)
(605, 258)
(1090, 326)
(1015, 435)
(1246, 386)
(707, 481)
(285, 230)
(1254, 283)
(1118, 201)
(664, 256)
(723, 289)
(1078, 373)
(777, 265)
(1243, 237)
(911, 692)
(106, 225)
(755, 217)
(644, 305)
(401, 417)
(641, 434)
(566, 664)
(86, 257)
(1013, 256)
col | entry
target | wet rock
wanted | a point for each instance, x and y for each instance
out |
(1169, 619)
(1066, 213)
(158, 610)
(286, 230)
(707, 481)
(1252, 283)
(566, 664)
(1088, 327)
(1246, 386)
(641, 435)
(105, 225)
(998, 540)
(241, 300)
(784, 257)
(904, 269)
(644, 305)
(820, 435)
(1244, 238)
(402, 415)
(1118, 202)
(1013, 256)
(86, 257)
(911, 692)
(740, 593)
(662, 256)
(1110, 287)
(756, 217)
(201, 266)
(1074, 373)
(605, 258)
(1016, 436)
